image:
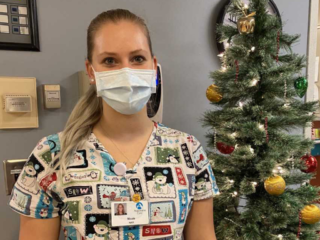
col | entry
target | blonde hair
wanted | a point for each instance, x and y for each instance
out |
(89, 107)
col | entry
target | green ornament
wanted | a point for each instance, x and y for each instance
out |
(301, 86)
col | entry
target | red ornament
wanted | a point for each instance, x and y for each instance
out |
(225, 149)
(311, 162)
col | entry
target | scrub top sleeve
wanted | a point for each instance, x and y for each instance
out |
(27, 196)
(205, 181)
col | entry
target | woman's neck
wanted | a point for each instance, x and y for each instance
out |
(119, 126)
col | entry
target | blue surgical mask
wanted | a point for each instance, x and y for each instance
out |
(126, 90)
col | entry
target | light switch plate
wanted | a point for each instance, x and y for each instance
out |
(18, 86)
(12, 170)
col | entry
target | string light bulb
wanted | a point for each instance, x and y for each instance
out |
(254, 82)
(251, 150)
(278, 170)
(253, 48)
(221, 55)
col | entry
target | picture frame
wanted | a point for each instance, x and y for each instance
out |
(20, 31)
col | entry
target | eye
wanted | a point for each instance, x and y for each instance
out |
(109, 61)
(139, 59)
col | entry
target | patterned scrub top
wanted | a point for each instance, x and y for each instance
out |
(172, 172)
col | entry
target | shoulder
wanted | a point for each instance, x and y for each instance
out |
(44, 152)
(49, 143)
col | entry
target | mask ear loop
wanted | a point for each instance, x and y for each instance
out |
(154, 77)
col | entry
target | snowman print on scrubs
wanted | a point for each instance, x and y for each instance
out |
(172, 159)
(101, 231)
(160, 185)
(29, 175)
(160, 182)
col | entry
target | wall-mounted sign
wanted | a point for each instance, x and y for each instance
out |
(19, 25)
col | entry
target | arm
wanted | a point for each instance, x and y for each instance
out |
(39, 229)
(199, 225)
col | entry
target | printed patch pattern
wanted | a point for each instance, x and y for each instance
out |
(47, 181)
(213, 179)
(156, 141)
(162, 212)
(54, 143)
(79, 160)
(203, 184)
(70, 233)
(186, 155)
(137, 187)
(160, 182)
(156, 230)
(191, 183)
(131, 233)
(107, 193)
(200, 158)
(78, 191)
(108, 164)
(21, 201)
(167, 155)
(181, 178)
(178, 233)
(71, 212)
(183, 204)
(90, 175)
(44, 207)
(45, 156)
(97, 226)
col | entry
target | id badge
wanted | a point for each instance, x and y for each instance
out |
(129, 213)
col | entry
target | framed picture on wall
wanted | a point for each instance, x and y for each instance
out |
(19, 25)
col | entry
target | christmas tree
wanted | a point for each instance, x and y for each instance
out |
(262, 170)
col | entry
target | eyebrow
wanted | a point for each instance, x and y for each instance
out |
(114, 54)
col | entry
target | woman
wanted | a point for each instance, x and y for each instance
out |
(120, 210)
(121, 151)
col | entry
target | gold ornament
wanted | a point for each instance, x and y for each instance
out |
(275, 185)
(212, 94)
(247, 23)
(310, 214)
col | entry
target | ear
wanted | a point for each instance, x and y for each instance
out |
(89, 69)
(155, 62)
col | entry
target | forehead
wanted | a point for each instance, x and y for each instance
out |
(120, 37)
